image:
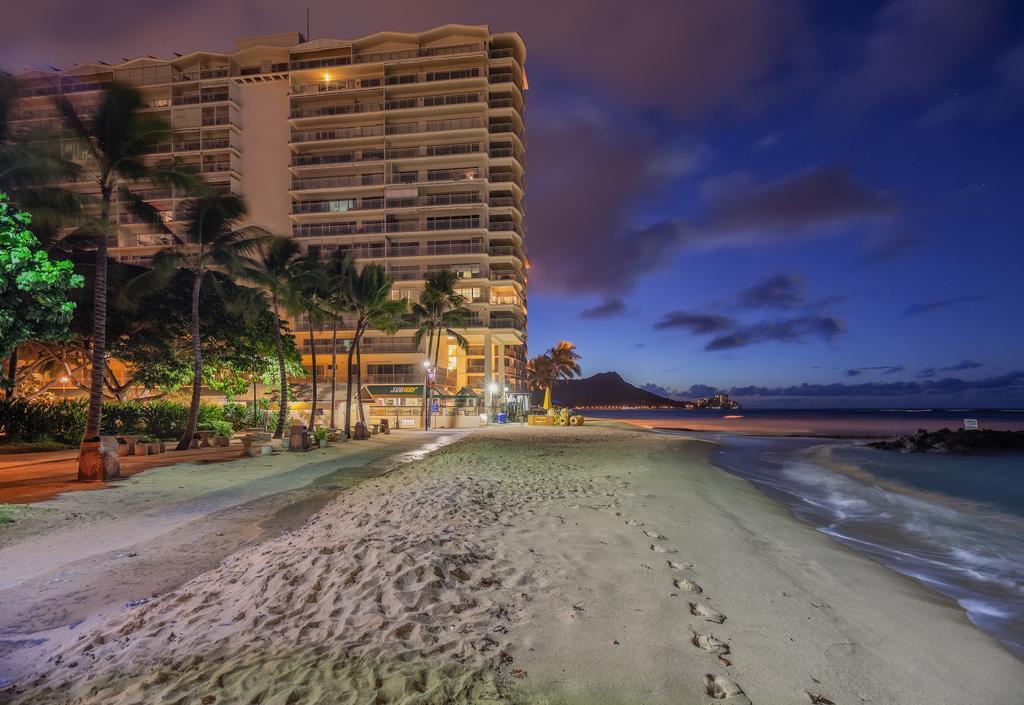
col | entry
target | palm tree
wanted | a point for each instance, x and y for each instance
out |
(115, 142)
(441, 308)
(565, 361)
(313, 292)
(210, 244)
(370, 303)
(339, 272)
(539, 372)
(275, 270)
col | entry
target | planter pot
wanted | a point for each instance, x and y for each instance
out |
(323, 443)
(284, 442)
(267, 450)
(98, 460)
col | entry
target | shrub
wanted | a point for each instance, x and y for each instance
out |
(220, 428)
(164, 419)
(122, 418)
(62, 421)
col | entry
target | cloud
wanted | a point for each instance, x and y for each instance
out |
(786, 330)
(911, 47)
(929, 306)
(806, 198)
(606, 309)
(1010, 383)
(958, 367)
(884, 369)
(700, 323)
(656, 43)
(779, 291)
(883, 249)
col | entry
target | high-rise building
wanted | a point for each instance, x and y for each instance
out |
(404, 149)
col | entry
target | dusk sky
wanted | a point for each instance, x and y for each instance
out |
(737, 195)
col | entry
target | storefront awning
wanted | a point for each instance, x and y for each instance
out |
(372, 391)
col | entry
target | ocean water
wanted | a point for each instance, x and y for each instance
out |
(954, 523)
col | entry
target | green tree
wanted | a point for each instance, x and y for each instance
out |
(275, 270)
(370, 303)
(339, 270)
(210, 242)
(440, 310)
(34, 303)
(115, 142)
(313, 297)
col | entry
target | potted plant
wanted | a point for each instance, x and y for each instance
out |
(320, 436)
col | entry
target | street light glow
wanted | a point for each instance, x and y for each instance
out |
(492, 388)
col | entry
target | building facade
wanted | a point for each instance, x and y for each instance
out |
(406, 150)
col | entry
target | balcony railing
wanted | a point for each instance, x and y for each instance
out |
(380, 227)
(403, 79)
(432, 101)
(337, 134)
(199, 75)
(505, 226)
(407, 128)
(197, 99)
(325, 182)
(372, 155)
(328, 110)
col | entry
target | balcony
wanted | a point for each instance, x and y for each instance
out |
(383, 227)
(509, 275)
(351, 84)
(204, 75)
(504, 226)
(374, 155)
(330, 182)
(404, 79)
(337, 134)
(500, 320)
(198, 99)
(505, 251)
(434, 101)
(328, 110)
(408, 128)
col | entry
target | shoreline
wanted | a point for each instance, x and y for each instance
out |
(593, 565)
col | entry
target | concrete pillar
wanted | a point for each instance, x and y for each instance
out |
(501, 371)
(488, 371)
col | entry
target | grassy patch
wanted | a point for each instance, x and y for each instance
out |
(33, 447)
(9, 513)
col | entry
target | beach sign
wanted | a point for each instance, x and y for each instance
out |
(970, 424)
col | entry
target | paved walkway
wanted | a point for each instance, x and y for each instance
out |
(34, 477)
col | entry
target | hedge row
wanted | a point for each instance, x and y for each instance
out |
(64, 421)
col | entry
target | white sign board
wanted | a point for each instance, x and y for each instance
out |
(970, 424)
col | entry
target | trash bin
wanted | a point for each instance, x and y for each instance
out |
(384, 427)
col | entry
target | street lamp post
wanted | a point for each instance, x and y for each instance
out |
(428, 393)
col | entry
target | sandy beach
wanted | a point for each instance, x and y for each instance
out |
(600, 564)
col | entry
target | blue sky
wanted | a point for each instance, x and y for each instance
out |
(811, 204)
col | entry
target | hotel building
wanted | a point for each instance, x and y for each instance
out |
(406, 150)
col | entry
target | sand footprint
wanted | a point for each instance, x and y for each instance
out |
(722, 688)
(688, 585)
(632, 522)
(709, 614)
(674, 565)
(653, 535)
(658, 548)
(711, 644)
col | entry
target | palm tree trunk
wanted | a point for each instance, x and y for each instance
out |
(283, 410)
(334, 364)
(197, 367)
(426, 382)
(91, 463)
(12, 370)
(312, 350)
(348, 385)
(359, 375)
(99, 324)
